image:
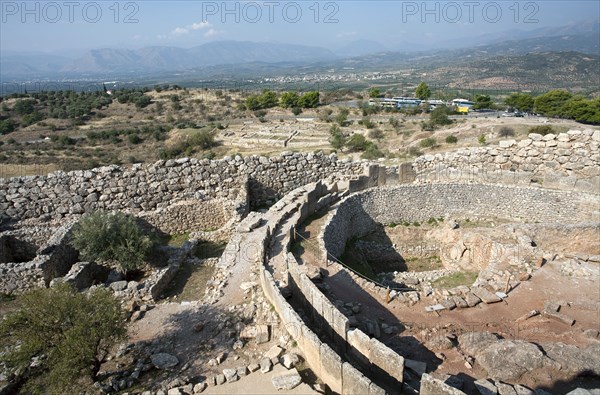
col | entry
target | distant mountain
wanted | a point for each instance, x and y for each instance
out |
(360, 47)
(235, 58)
(31, 63)
(580, 28)
(153, 59)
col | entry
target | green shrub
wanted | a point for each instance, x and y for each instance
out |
(541, 129)
(429, 142)
(112, 237)
(357, 142)
(134, 138)
(481, 139)
(452, 139)
(505, 131)
(68, 333)
(376, 134)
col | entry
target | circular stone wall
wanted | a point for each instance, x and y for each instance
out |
(359, 214)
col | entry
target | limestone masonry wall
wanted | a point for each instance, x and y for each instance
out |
(147, 187)
(357, 214)
(565, 161)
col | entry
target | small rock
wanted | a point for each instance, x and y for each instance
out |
(200, 387)
(524, 276)
(118, 285)
(220, 358)
(164, 360)
(290, 360)
(220, 379)
(238, 345)
(274, 352)
(242, 371)
(472, 300)
(265, 365)
(230, 375)
(253, 367)
(199, 327)
(137, 315)
(485, 387)
(539, 262)
(287, 381)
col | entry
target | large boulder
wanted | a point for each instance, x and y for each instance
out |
(503, 359)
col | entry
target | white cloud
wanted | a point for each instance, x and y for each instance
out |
(185, 30)
(212, 32)
(179, 31)
(200, 26)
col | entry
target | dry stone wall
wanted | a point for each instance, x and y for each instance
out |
(565, 161)
(358, 214)
(159, 185)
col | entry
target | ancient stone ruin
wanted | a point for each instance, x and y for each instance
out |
(516, 215)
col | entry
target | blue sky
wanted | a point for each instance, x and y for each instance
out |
(56, 26)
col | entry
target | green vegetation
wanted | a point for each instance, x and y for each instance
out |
(541, 129)
(336, 137)
(66, 333)
(483, 102)
(423, 263)
(452, 139)
(177, 240)
(289, 100)
(456, 279)
(520, 101)
(562, 104)
(267, 99)
(112, 237)
(374, 93)
(423, 92)
(505, 131)
(481, 139)
(438, 117)
(342, 116)
(376, 134)
(429, 142)
(200, 140)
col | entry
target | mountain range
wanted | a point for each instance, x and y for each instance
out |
(582, 38)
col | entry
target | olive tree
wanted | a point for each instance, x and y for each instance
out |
(60, 337)
(104, 236)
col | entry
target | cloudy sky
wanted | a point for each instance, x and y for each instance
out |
(62, 26)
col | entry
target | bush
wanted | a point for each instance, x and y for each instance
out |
(336, 137)
(429, 142)
(372, 152)
(7, 126)
(112, 237)
(376, 134)
(296, 110)
(452, 139)
(367, 123)
(68, 333)
(481, 139)
(541, 129)
(134, 138)
(505, 131)
(357, 142)
(414, 151)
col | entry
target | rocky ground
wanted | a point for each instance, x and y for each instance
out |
(543, 334)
